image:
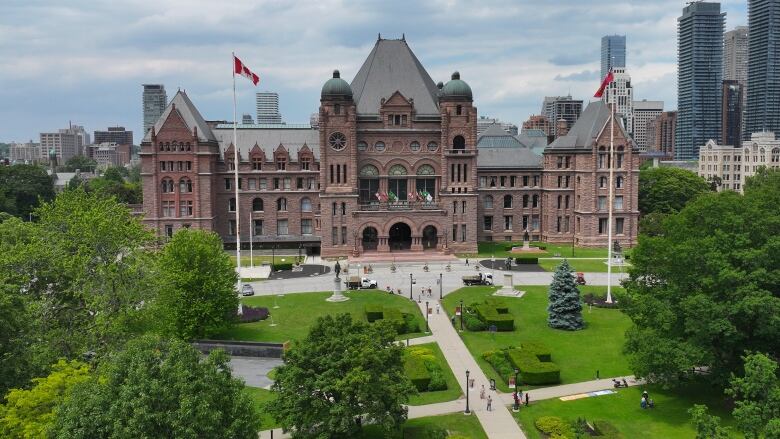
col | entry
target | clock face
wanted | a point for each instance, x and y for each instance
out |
(337, 141)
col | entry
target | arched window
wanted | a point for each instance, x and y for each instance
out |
(167, 186)
(776, 155)
(281, 204)
(369, 171)
(459, 142)
(305, 204)
(602, 157)
(619, 157)
(161, 145)
(426, 170)
(619, 182)
(185, 185)
(167, 146)
(525, 200)
(397, 170)
(189, 147)
(507, 201)
(488, 202)
(257, 205)
(232, 205)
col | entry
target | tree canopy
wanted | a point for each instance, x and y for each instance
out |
(667, 190)
(159, 388)
(342, 372)
(23, 187)
(706, 289)
(197, 286)
(80, 163)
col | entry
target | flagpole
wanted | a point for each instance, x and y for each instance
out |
(235, 178)
(251, 231)
(611, 164)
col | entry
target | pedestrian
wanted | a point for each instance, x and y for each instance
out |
(467, 262)
(482, 392)
(490, 403)
(643, 402)
(645, 395)
(429, 292)
(437, 308)
(452, 319)
(526, 399)
(597, 374)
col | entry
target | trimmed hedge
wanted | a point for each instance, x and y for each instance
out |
(423, 369)
(554, 426)
(491, 317)
(374, 312)
(472, 323)
(402, 322)
(283, 266)
(527, 261)
(535, 365)
(253, 314)
(500, 364)
(418, 374)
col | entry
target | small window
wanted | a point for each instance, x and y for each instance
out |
(281, 204)
(507, 201)
(232, 205)
(414, 146)
(362, 146)
(433, 146)
(305, 205)
(459, 110)
(379, 146)
(257, 205)
(488, 202)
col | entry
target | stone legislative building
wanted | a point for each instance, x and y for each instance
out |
(395, 165)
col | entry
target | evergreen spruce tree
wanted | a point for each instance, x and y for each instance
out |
(565, 308)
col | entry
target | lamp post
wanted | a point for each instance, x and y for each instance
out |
(461, 314)
(427, 326)
(467, 412)
(273, 257)
(517, 395)
(411, 288)
(440, 285)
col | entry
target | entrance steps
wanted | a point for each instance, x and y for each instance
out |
(401, 257)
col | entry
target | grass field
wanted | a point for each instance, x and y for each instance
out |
(578, 353)
(583, 265)
(498, 249)
(262, 397)
(296, 313)
(453, 389)
(668, 420)
(258, 260)
(423, 428)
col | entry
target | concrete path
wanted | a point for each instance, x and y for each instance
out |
(497, 423)
(570, 389)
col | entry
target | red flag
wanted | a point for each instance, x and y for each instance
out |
(240, 69)
(607, 79)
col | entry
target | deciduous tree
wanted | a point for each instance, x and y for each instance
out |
(23, 187)
(757, 397)
(667, 190)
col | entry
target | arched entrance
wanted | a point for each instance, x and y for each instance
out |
(400, 237)
(370, 238)
(429, 238)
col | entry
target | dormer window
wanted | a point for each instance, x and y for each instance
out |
(281, 164)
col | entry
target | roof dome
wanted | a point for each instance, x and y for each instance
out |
(336, 87)
(456, 88)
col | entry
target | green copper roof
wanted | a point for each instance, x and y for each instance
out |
(456, 88)
(336, 86)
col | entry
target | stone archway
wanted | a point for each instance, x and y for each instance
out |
(400, 237)
(370, 238)
(430, 237)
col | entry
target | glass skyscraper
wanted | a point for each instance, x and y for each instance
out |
(699, 77)
(763, 90)
(613, 53)
(154, 102)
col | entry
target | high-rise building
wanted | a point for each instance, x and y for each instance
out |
(25, 152)
(731, 113)
(246, 119)
(555, 108)
(537, 122)
(63, 144)
(661, 132)
(700, 72)
(621, 94)
(613, 52)
(484, 122)
(117, 135)
(154, 102)
(735, 54)
(763, 89)
(645, 112)
(268, 107)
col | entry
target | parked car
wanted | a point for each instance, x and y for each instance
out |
(247, 290)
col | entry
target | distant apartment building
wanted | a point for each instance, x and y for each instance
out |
(621, 94)
(484, 122)
(555, 108)
(154, 102)
(731, 113)
(108, 154)
(613, 53)
(729, 167)
(268, 108)
(762, 112)
(246, 119)
(118, 135)
(24, 152)
(537, 122)
(699, 72)
(660, 133)
(644, 113)
(63, 144)
(735, 54)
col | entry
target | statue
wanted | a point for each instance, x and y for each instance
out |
(525, 235)
(337, 269)
(616, 248)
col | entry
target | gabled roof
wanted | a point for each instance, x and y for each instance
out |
(586, 129)
(268, 139)
(188, 113)
(392, 66)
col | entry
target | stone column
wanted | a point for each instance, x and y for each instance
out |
(337, 296)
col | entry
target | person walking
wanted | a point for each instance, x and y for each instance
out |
(482, 392)
(490, 403)
(437, 308)
(467, 262)
(526, 399)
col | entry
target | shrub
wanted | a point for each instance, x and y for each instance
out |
(526, 261)
(418, 374)
(410, 324)
(533, 370)
(283, 266)
(374, 312)
(437, 378)
(500, 363)
(554, 426)
(253, 314)
(607, 430)
(472, 323)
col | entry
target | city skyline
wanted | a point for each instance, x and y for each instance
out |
(92, 92)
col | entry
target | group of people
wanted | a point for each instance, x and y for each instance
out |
(646, 402)
(516, 396)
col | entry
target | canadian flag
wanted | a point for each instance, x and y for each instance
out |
(240, 69)
(607, 79)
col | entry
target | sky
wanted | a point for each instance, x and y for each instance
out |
(84, 61)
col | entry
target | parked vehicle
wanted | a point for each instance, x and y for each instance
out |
(247, 290)
(357, 282)
(478, 279)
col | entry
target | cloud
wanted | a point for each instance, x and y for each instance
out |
(84, 60)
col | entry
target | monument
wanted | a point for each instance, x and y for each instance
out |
(508, 289)
(337, 296)
(526, 248)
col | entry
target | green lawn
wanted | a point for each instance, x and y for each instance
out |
(578, 353)
(422, 428)
(668, 420)
(497, 249)
(260, 260)
(453, 389)
(583, 265)
(297, 313)
(262, 397)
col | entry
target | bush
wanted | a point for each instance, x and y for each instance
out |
(472, 323)
(490, 316)
(534, 365)
(410, 324)
(283, 266)
(437, 378)
(500, 364)
(554, 426)
(607, 430)
(418, 374)
(374, 312)
(526, 261)
(252, 314)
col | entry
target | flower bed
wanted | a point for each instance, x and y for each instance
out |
(252, 314)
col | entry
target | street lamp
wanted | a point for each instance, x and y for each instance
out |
(461, 314)
(411, 288)
(517, 395)
(427, 327)
(467, 412)
(440, 287)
